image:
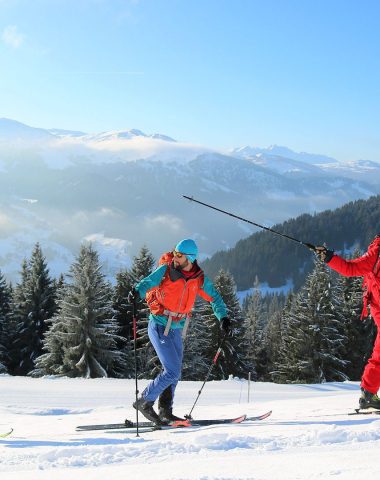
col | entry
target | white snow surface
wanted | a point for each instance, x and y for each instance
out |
(309, 435)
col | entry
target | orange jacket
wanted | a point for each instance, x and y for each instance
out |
(168, 289)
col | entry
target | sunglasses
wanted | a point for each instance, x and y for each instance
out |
(179, 254)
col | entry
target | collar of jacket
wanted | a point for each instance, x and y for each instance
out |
(175, 274)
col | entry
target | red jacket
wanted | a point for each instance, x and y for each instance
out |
(368, 267)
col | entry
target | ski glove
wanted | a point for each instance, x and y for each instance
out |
(225, 325)
(324, 254)
(133, 295)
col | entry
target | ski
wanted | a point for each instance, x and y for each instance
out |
(6, 434)
(129, 425)
(359, 411)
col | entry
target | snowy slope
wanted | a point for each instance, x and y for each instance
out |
(309, 435)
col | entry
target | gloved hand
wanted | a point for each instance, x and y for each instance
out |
(225, 325)
(133, 295)
(324, 254)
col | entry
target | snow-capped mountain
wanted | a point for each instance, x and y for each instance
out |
(122, 190)
(278, 151)
(124, 135)
(364, 170)
(11, 130)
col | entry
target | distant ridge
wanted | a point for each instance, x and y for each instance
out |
(275, 260)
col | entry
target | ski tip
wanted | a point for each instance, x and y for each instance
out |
(239, 419)
(267, 414)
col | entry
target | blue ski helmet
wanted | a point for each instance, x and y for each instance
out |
(189, 248)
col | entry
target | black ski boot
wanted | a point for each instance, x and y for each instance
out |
(146, 408)
(165, 410)
(166, 415)
(369, 400)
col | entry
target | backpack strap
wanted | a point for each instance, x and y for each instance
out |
(186, 326)
(176, 316)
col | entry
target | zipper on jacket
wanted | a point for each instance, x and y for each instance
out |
(183, 293)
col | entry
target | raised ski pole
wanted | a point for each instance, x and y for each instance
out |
(308, 245)
(134, 317)
(215, 359)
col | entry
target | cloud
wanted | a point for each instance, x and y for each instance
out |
(12, 37)
(109, 242)
(169, 222)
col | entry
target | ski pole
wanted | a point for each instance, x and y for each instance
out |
(134, 317)
(308, 245)
(215, 359)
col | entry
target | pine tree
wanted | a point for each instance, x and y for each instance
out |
(123, 311)
(83, 335)
(286, 366)
(123, 317)
(315, 332)
(232, 361)
(5, 320)
(254, 331)
(273, 336)
(34, 305)
(284, 358)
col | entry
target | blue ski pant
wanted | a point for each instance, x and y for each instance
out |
(169, 350)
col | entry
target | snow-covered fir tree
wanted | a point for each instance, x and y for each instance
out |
(281, 368)
(233, 359)
(315, 332)
(34, 303)
(123, 317)
(19, 313)
(5, 323)
(82, 340)
(123, 311)
(272, 338)
(254, 325)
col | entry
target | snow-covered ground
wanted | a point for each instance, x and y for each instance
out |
(309, 435)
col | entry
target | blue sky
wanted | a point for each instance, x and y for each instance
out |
(222, 73)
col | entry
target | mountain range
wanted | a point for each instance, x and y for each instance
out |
(123, 189)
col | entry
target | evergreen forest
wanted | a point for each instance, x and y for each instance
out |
(80, 325)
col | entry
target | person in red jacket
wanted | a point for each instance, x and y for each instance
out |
(368, 267)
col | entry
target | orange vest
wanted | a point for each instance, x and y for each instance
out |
(175, 293)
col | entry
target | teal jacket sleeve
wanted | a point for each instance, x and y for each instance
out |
(152, 280)
(211, 294)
